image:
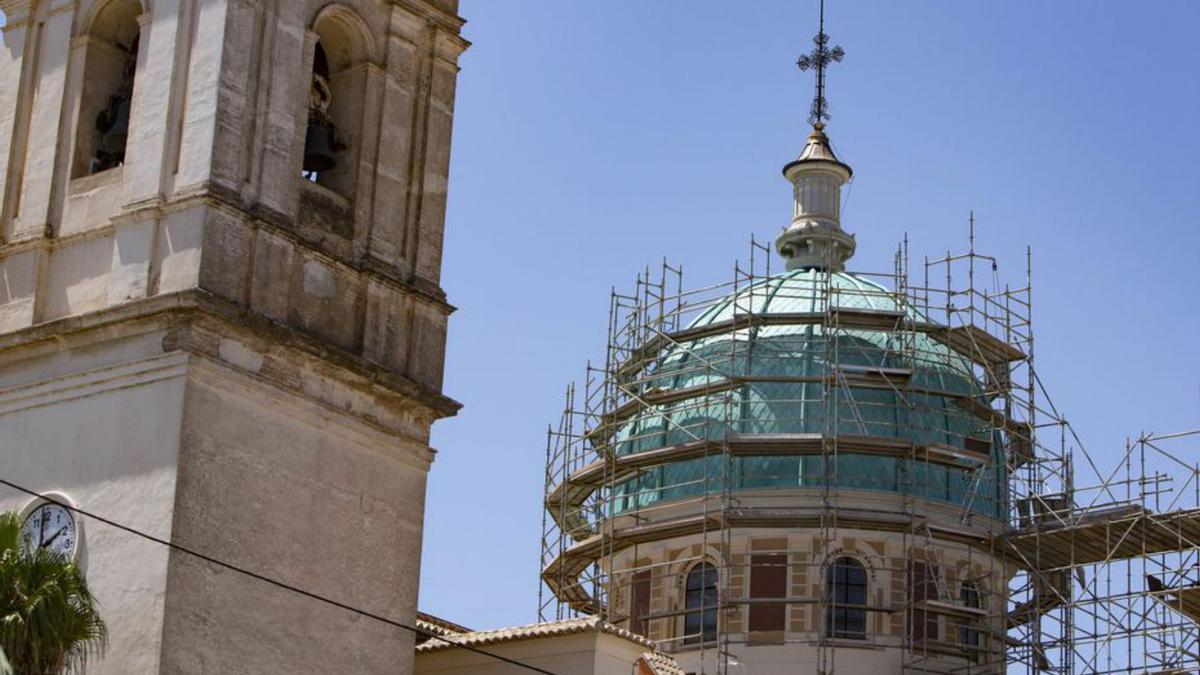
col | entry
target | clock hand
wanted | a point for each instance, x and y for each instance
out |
(42, 532)
(51, 541)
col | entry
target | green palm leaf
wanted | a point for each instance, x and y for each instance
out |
(49, 622)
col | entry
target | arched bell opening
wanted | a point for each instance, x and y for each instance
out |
(321, 142)
(337, 87)
(106, 101)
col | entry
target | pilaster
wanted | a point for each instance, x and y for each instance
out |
(52, 52)
(397, 108)
(152, 110)
(203, 101)
(279, 126)
(16, 85)
(71, 121)
(443, 79)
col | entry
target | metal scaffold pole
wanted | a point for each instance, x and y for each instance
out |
(703, 482)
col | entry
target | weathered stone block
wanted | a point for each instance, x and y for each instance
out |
(226, 262)
(270, 287)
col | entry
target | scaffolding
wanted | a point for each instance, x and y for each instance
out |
(665, 438)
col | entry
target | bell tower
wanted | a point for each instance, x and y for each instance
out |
(221, 319)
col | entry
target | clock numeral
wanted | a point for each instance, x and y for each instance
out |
(50, 527)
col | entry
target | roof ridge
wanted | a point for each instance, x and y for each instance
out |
(533, 630)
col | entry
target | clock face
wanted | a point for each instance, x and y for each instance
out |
(52, 527)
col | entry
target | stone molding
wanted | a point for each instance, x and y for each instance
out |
(323, 417)
(92, 382)
(134, 316)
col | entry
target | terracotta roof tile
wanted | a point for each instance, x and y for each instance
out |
(535, 630)
(662, 664)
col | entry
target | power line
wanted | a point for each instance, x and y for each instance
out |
(278, 584)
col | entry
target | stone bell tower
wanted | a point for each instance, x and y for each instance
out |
(220, 314)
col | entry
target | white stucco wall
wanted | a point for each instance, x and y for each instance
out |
(101, 427)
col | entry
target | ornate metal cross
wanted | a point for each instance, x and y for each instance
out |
(820, 57)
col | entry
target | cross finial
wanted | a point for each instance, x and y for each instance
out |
(822, 55)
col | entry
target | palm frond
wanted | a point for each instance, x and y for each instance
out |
(49, 621)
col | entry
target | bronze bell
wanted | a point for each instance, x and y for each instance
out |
(319, 147)
(113, 142)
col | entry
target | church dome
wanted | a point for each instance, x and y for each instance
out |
(794, 362)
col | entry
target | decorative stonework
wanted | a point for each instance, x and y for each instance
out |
(815, 239)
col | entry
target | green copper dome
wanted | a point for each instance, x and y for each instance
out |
(812, 355)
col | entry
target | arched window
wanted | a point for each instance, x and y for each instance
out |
(700, 601)
(969, 596)
(846, 591)
(338, 80)
(105, 104)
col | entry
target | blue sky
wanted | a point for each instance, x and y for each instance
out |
(594, 138)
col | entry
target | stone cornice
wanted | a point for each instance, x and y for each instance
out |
(382, 272)
(16, 12)
(449, 46)
(427, 11)
(303, 409)
(204, 306)
(216, 373)
(418, 29)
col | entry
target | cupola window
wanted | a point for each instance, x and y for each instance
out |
(700, 601)
(846, 590)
